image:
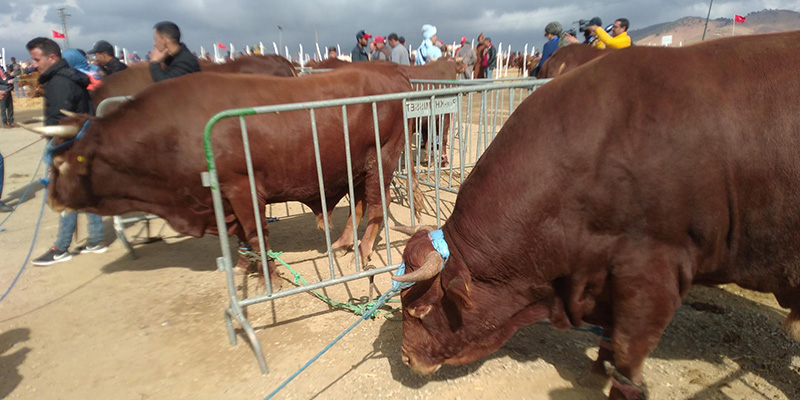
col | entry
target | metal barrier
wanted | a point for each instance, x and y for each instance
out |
(433, 104)
(120, 222)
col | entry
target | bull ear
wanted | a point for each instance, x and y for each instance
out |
(420, 312)
(458, 291)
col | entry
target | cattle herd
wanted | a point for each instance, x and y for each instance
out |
(604, 198)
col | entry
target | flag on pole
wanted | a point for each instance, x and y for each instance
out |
(221, 46)
(736, 18)
(58, 35)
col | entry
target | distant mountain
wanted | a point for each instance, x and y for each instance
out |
(689, 30)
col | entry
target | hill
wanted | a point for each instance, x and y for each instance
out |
(689, 30)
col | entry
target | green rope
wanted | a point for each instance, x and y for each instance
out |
(356, 306)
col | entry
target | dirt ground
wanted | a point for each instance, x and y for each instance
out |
(107, 326)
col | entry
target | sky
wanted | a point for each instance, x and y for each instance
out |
(129, 23)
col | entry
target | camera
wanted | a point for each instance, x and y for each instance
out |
(584, 23)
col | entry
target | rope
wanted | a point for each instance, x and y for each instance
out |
(23, 148)
(357, 309)
(22, 198)
(396, 288)
(30, 250)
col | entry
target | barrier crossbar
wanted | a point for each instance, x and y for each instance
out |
(450, 104)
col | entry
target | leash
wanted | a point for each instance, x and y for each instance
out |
(24, 147)
(22, 198)
(30, 250)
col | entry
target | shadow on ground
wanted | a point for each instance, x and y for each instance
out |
(713, 326)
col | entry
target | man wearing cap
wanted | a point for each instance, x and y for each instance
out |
(427, 51)
(466, 57)
(382, 52)
(552, 32)
(399, 52)
(361, 51)
(167, 47)
(104, 57)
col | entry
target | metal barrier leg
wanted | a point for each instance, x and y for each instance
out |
(236, 312)
(119, 229)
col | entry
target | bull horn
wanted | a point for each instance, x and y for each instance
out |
(63, 131)
(68, 113)
(410, 230)
(429, 269)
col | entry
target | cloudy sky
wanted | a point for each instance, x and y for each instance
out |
(245, 22)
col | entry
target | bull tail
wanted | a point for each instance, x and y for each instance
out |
(419, 198)
(792, 324)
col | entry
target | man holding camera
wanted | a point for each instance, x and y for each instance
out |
(618, 39)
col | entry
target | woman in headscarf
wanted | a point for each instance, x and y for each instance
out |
(427, 51)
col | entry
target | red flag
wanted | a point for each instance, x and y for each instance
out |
(738, 18)
(58, 35)
(221, 46)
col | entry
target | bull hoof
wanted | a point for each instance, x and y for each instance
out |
(593, 380)
(340, 251)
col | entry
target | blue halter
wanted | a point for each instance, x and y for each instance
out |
(437, 239)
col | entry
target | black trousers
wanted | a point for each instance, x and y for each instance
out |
(7, 109)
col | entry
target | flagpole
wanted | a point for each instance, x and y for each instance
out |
(707, 17)
(733, 33)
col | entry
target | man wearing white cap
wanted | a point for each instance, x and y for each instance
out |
(427, 51)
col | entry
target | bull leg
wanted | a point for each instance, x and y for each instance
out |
(598, 377)
(792, 324)
(345, 241)
(644, 303)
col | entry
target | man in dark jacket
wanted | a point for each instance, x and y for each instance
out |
(361, 51)
(105, 58)
(169, 49)
(64, 88)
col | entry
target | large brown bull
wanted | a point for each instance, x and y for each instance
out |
(137, 77)
(610, 218)
(148, 154)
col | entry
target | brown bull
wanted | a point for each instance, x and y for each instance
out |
(137, 77)
(568, 58)
(610, 219)
(148, 155)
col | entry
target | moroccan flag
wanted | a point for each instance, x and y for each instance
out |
(58, 35)
(738, 18)
(221, 46)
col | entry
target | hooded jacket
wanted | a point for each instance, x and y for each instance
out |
(64, 88)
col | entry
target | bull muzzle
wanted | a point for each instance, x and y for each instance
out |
(414, 364)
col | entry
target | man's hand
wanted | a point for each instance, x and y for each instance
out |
(157, 55)
(3, 95)
(592, 28)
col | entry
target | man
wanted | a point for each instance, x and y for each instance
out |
(6, 100)
(618, 39)
(361, 51)
(466, 57)
(64, 88)
(399, 51)
(332, 52)
(428, 51)
(381, 51)
(3, 206)
(15, 70)
(167, 47)
(489, 58)
(105, 58)
(552, 32)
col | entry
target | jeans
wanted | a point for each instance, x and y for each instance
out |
(2, 174)
(66, 226)
(7, 109)
(19, 91)
(487, 73)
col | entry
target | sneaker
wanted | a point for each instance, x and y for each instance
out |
(53, 256)
(98, 248)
